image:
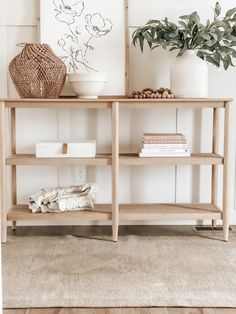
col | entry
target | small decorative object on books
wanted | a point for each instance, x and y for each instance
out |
(37, 72)
(86, 149)
(213, 41)
(152, 93)
(164, 145)
(62, 199)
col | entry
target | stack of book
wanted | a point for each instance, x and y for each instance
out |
(164, 145)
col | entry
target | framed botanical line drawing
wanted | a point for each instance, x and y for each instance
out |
(89, 36)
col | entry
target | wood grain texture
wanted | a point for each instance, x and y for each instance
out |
(215, 149)
(219, 311)
(115, 170)
(169, 211)
(14, 225)
(184, 311)
(23, 213)
(13, 152)
(130, 159)
(59, 103)
(114, 98)
(126, 212)
(194, 159)
(131, 211)
(227, 169)
(13, 168)
(163, 310)
(30, 159)
(105, 102)
(174, 103)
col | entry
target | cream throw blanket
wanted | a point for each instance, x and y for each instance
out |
(61, 199)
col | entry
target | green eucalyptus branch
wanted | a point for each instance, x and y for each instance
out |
(215, 42)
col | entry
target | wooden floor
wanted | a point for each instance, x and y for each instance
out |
(97, 231)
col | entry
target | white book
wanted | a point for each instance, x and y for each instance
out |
(164, 150)
(165, 146)
(186, 154)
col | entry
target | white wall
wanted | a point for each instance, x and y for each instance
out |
(18, 20)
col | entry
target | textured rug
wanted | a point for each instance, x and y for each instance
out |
(71, 271)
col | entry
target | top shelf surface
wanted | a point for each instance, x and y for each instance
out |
(124, 101)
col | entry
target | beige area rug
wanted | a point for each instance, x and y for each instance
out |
(71, 271)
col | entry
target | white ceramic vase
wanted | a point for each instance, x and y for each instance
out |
(189, 76)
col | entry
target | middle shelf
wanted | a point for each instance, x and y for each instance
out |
(129, 159)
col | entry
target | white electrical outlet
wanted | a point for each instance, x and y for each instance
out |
(80, 175)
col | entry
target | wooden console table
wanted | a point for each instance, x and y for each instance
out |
(115, 211)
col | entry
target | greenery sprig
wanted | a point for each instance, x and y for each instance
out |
(214, 42)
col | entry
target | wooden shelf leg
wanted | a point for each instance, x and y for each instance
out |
(2, 174)
(214, 223)
(115, 170)
(13, 168)
(226, 175)
(13, 225)
(215, 149)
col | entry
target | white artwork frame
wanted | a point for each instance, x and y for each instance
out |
(93, 32)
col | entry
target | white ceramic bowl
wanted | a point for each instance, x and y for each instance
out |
(87, 85)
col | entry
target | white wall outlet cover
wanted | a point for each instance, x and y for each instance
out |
(80, 175)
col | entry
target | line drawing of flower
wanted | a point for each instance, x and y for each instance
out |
(73, 54)
(97, 26)
(68, 10)
(73, 45)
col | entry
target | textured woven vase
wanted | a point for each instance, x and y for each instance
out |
(37, 72)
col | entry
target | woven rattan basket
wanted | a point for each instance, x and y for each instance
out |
(37, 72)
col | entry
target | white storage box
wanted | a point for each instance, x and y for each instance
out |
(59, 149)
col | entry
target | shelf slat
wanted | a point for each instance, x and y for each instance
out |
(124, 101)
(131, 159)
(58, 103)
(195, 159)
(169, 212)
(127, 212)
(23, 213)
(30, 159)
(172, 103)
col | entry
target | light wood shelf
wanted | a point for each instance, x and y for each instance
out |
(116, 212)
(23, 213)
(58, 103)
(31, 159)
(124, 102)
(194, 159)
(129, 159)
(169, 212)
(127, 212)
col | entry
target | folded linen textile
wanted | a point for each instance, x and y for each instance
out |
(61, 199)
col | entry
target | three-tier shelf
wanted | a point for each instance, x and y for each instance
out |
(115, 211)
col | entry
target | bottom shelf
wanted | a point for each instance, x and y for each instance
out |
(127, 212)
(23, 213)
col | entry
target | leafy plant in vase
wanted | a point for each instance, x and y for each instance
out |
(197, 44)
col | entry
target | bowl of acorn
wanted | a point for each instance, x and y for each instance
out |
(152, 93)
